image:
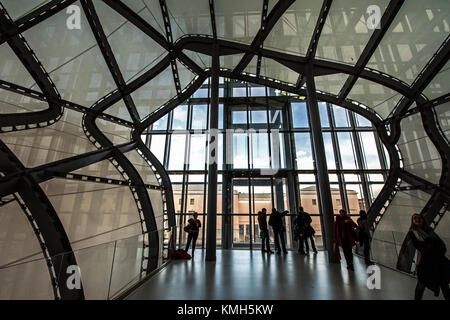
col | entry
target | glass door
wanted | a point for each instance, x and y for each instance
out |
(250, 195)
(262, 197)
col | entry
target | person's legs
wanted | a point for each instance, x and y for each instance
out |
(194, 240)
(283, 241)
(300, 245)
(267, 242)
(445, 291)
(348, 254)
(420, 289)
(313, 244)
(189, 239)
(306, 245)
(277, 241)
(263, 243)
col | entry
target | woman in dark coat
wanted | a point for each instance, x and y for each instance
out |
(194, 226)
(433, 267)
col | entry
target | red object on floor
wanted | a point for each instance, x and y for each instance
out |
(181, 255)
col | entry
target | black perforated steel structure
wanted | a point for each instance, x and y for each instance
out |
(23, 183)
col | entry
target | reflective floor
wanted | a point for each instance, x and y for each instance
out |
(247, 275)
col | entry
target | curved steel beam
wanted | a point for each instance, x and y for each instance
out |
(45, 222)
(108, 56)
(11, 182)
(67, 104)
(144, 206)
(33, 18)
(440, 197)
(170, 105)
(203, 44)
(22, 50)
(165, 180)
(105, 102)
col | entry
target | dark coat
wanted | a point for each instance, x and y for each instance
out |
(276, 220)
(302, 225)
(262, 221)
(434, 267)
(194, 225)
(364, 232)
(343, 231)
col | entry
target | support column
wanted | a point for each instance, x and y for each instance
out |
(323, 184)
(212, 161)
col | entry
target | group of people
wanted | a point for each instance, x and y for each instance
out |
(433, 267)
(344, 230)
(276, 222)
(302, 231)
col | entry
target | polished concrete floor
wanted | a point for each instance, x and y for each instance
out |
(247, 275)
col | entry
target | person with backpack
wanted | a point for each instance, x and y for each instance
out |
(433, 267)
(276, 222)
(264, 231)
(192, 228)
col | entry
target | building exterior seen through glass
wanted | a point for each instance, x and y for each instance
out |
(261, 125)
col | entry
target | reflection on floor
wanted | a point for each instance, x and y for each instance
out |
(247, 275)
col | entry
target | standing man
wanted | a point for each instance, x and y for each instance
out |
(262, 221)
(276, 221)
(308, 230)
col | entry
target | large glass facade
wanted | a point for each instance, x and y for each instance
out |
(268, 161)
